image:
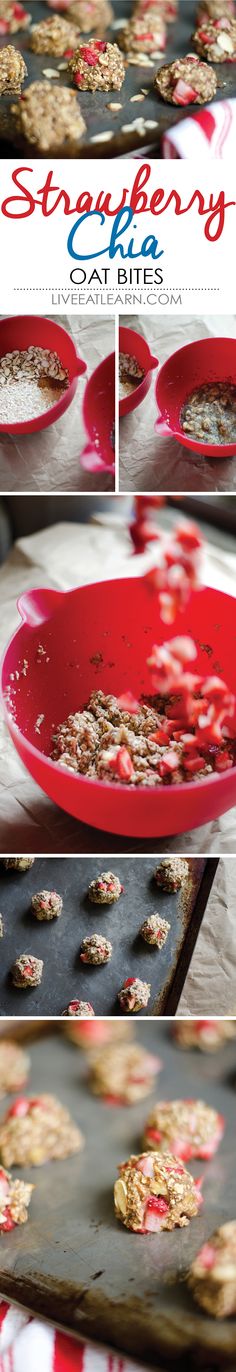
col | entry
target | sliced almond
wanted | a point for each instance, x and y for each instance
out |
(159, 1189)
(51, 74)
(134, 98)
(225, 42)
(120, 1195)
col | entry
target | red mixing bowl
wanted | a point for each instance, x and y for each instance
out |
(135, 345)
(99, 637)
(99, 417)
(208, 360)
(25, 331)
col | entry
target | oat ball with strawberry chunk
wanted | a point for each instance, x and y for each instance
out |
(206, 1034)
(214, 9)
(46, 119)
(146, 34)
(168, 9)
(13, 71)
(94, 1033)
(155, 931)
(171, 873)
(13, 17)
(14, 1067)
(212, 1277)
(216, 40)
(97, 66)
(187, 1128)
(134, 995)
(18, 864)
(123, 1073)
(15, 1198)
(90, 15)
(78, 1009)
(54, 36)
(186, 82)
(154, 1193)
(46, 905)
(27, 971)
(95, 949)
(36, 1130)
(105, 889)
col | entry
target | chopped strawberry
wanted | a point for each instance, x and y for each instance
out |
(4, 26)
(154, 1134)
(6, 1222)
(224, 762)
(158, 1205)
(127, 702)
(124, 765)
(129, 981)
(193, 764)
(19, 1109)
(183, 94)
(169, 763)
(207, 1256)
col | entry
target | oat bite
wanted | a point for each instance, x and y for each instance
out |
(13, 17)
(155, 930)
(46, 905)
(92, 1036)
(18, 864)
(216, 40)
(206, 1034)
(212, 1276)
(48, 120)
(90, 15)
(214, 9)
(27, 971)
(134, 995)
(54, 36)
(171, 873)
(78, 1009)
(35, 1131)
(168, 9)
(155, 1193)
(123, 1073)
(15, 1198)
(14, 1067)
(95, 949)
(106, 889)
(97, 66)
(187, 1128)
(143, 34)
(187, 81)
(13, 71)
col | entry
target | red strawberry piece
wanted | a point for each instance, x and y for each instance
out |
(197, 1184)
(193, 764)
(188, 535)
(129, 981)
(19, 12)
(127, 702)
(159, 737)
(189, 742)
(154, 1134)
(4, 26)
(19, 1109)
(77, 78)
(69, 52)
(90, 56)
(207, 1256)
(101, 46)
(4, 1183)
(28, 969)
(223, 762)
(158, 1205)
(169, 763)
(124, 766)
(184, 94)
(6, 1221)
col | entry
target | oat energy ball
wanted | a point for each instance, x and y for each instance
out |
(171, 873)
(47, 905)
(105, 889)
(54, 35)
(214, 9)
(92, 1035)
(14, 1067)
(78, 1009)
(134, 995)
(95, 949)
(47, 119)
(216, 40)
(168, 9)
(187, 1128)
(206, 1034)
(186, 82)
(15, 1198)
(13, 17)
(97, 66)
(27, 971)
(18, 864)
(212, 1277)
(90, 14)
(123, 1073)
(155, 930)
(154, 1193)
(34, 1131)
(144, 34)
(13, 71)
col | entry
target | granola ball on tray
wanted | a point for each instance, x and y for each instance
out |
(54, 36)
(13, 71)
(187, 1128)
(78, 1009)
(90, 15)
(134, 995)
(48, 120)
(186, 81)
(105, 889)
(35, 1131)
(97, 66)
(95, 949)
(46, 905)
(15, 1198)
(168, 9)
(14, 1067)
(18, 864)
(27, 971)
(123, 1073)
(145, 34)
(155, 931)
(13, 17)
(171, 873)
(206, 1034)
(155, 1192)
(212, 1277)
(214, 9)
(216, 40)
(91, 1036)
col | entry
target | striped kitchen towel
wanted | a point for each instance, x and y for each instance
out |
(29, 1345)
(205, 133)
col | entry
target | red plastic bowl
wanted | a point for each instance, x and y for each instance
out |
(99, 417)
(135, 345)
(208, 360)
(119, 621)
(24, 331)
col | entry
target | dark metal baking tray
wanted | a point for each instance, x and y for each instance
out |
(98, 118)
(74, 1264)
(58, 942)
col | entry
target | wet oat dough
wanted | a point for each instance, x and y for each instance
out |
(155, 930)
(155, 1192)
(134, 995)
(36, 1131)
(186, 81)
(130, 374)
(209, 414)
(97, 66)
(123, 1073)
(187, 1128)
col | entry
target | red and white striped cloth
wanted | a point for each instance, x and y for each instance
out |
(206, 133)
(29, 1345)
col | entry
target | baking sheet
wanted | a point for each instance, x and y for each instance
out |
(74, 1264)
(58, 942)
(98, 118)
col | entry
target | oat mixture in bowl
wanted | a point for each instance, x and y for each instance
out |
(130, 374)
(209, 414)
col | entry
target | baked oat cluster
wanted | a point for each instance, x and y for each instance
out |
(212, 1277)
(168, 9)
(155, 1192)
(105, 889)
(206, 1034)
(78, 1009)
(27, 971)
(123, 1073)
(134, 995)
(97, 66)
(15, 1198)
(13, 71)
(216, 40)
(143, 34)
(171, 873)
(214, 9)
(55, 36)
(14, 1067)
(47, 118)
(18, 864)
(187, 81)
(13, 17)
(46, 905)
(95, 949)
(187, 1128)
(155, 931)
(35, 1131)
(90, 15)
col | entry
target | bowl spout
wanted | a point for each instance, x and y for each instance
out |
(36, 606)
